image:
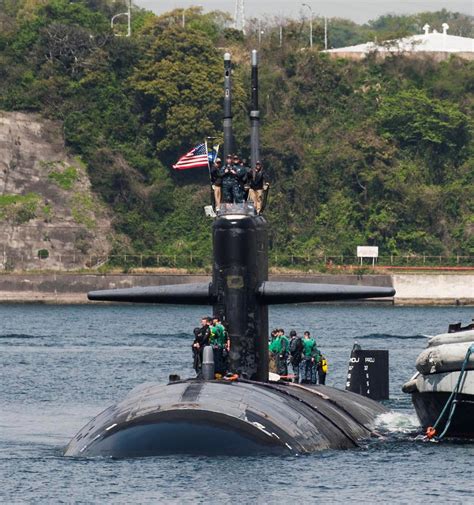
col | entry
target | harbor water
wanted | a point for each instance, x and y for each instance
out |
(62, 365)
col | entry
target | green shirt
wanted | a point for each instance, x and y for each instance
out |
(275, 346)
(218, 335)
(279, 345)
(309, 348)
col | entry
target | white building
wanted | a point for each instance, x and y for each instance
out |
(439, 45)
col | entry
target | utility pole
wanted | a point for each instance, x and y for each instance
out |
(183, 19)
(310, 24)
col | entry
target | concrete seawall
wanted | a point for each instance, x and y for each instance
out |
(439, 289)
(431, 289)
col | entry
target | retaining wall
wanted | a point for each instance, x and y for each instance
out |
(72, 288)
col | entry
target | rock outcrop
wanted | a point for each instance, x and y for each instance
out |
(49, 217)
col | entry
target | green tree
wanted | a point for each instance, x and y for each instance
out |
(434, 129)
(176, 89)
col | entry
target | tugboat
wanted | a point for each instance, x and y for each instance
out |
(443, 387)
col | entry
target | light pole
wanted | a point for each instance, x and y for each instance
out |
(310, 24)
(260, 33)
(129, 18)
(325, 33)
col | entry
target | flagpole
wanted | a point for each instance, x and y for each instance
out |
(209, 171)
(208, 164)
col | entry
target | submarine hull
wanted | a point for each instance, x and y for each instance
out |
(227, 418)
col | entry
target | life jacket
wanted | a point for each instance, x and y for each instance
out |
(324, 364)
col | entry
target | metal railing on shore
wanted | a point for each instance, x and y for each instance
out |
(321, 263)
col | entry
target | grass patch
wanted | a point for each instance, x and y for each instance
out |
(83, 209)
(65, 179)
(19, 209)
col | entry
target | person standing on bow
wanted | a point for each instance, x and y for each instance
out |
(322, 369)
(220, 345)
(310, 360)
(201, 339)
(296, 354)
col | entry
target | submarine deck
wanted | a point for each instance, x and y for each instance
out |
(232, 418)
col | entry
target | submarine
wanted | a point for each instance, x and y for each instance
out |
(243, 413)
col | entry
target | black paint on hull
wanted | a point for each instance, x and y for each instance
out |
(221, 418)
(429, 405)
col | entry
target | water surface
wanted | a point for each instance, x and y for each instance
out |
(61, 365)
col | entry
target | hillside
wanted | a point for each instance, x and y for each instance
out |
(372, 152)
(49, 216)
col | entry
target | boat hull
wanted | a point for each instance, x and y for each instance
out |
(429, 405)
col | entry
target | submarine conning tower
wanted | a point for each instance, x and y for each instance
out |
(240, 267)
(240, 255)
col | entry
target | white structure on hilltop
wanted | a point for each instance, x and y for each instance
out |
(427, 42)
(239, 16)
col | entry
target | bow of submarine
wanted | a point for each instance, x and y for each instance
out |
(228, 418)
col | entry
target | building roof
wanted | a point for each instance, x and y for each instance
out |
(426, 42)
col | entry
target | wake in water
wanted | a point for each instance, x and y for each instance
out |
(392, 423)
(387, 336)
(180, 336)
(20, 335)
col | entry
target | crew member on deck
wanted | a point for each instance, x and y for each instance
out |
(257, 185)
(322, 369)
(272, 366)
(240, 179)
(310, 360)
(296, 353)
(229, 176)
(216, 182)
(279, 349)
(285, 349)
(220, 345)
(201, 339)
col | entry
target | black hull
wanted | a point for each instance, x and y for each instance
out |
(428, 407)
(227, 418)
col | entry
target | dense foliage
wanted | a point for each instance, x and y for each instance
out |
(373, 152)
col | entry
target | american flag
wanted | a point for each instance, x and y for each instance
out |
(196, 158)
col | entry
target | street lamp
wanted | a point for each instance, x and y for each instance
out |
(260, 33)
(129, 18)
(310, 24)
